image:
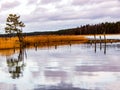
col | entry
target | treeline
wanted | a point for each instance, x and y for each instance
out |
(107, 28)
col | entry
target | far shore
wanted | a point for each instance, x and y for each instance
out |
(50, 40)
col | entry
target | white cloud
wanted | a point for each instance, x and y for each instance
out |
(9, 5)
(49, 1)
(58, 14)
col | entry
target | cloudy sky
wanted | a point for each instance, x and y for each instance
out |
(46, 15)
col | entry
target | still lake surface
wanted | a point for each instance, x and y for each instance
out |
(68, 67)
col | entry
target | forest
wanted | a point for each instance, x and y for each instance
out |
(107, 28)
(102, 28)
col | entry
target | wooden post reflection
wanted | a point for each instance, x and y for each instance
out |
(100, 43)
(104, 43)
(95, 42)
(105, 48)
(55, 46)
(36, 46)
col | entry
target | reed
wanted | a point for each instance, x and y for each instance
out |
(51, 40)
(6, 43)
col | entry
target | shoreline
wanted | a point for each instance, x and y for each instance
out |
(52, 40)
(32, 41)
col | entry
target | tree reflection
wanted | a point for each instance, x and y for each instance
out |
(16, 65)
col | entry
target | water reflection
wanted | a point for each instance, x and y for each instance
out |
(103, 46)
(75, 67)
(102, 68)
(16, 65)
(60, 86)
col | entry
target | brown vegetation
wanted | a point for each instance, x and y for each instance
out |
(9, 45)
(50, 40)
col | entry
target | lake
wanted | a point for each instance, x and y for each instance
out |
(67, 67)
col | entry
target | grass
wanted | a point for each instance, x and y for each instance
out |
(41, 41)
(48, 40)
(7, 43)
(9, 46)
(52, 40)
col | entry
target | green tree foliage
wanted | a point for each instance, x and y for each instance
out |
(13, 25)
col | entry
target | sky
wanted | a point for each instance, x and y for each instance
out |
(52, 15)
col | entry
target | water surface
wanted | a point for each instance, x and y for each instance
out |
(69, 67)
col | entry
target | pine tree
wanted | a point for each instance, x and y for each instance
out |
(13, 25)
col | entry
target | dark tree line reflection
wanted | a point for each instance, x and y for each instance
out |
(16, 65)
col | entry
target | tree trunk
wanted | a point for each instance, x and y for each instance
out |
(20, 37)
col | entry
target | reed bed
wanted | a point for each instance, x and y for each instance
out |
(48, 40)
(53, 40)
(7, 43)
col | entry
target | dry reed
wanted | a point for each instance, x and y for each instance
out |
(11, 43)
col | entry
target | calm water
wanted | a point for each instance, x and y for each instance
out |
(75, 67)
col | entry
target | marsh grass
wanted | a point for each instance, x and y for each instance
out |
(9, 45)
(51, 40)
(41, 41)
